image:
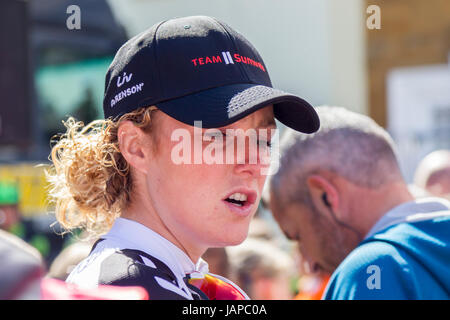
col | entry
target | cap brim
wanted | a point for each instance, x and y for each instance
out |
(224, 105)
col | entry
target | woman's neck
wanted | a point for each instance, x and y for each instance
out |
(147, 216)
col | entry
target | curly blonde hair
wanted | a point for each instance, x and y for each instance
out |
(90, 180)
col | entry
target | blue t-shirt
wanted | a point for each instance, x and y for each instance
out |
(407, 256)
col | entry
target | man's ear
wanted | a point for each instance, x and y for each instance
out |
(133, 145)
(323, 193)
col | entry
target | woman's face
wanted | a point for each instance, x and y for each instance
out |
(208, 205)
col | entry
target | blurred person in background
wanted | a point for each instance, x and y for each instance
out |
(340, 194)
(310, 285)
(21, 270)
(117, 177)
(11, 220)
(22, 274)
(68, 259)
(433, 174)
(218, 262)
(9, 206)
(262, 269)
(261, 229)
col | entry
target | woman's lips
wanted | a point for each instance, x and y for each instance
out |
(245, 208)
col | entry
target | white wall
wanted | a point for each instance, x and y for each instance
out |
(313, 48)
(418, 100)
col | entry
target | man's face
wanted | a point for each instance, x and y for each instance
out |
(322, 242)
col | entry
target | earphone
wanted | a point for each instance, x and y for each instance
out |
(325, 200)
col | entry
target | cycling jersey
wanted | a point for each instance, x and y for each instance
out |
(131, 254)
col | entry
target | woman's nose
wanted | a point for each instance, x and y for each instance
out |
(251, 158)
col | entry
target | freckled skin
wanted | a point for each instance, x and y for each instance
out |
(188, 197)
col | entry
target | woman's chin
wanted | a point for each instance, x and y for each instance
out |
(231, 239)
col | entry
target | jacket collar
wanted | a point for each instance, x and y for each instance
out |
(413, 211)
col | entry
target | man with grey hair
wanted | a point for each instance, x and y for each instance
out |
(340, 193)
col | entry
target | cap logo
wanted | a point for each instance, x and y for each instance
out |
(125, 78)
(228, 59)
(126, 93)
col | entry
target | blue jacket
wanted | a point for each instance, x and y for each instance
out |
(408, 258)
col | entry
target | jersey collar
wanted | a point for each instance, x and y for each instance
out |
(133, 235)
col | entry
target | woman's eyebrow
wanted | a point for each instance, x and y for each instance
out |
(266, 123)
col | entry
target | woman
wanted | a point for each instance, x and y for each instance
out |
(122, 179)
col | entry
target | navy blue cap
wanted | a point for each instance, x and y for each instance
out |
(198, 69)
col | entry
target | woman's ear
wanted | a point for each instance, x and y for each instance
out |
(323, 193)
(134, 146)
